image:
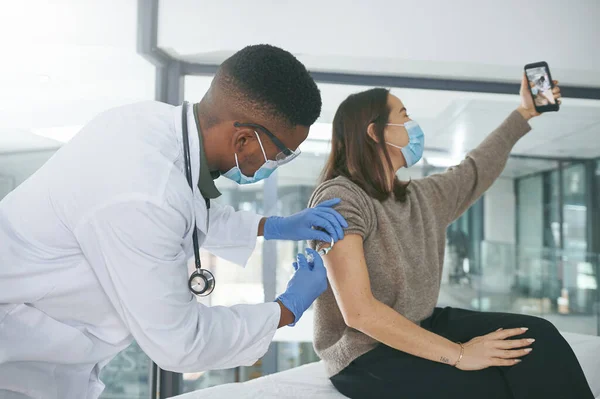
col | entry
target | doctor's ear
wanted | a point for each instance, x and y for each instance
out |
(242, 138)
(371, 132)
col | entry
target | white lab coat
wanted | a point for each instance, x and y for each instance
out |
(93, 251)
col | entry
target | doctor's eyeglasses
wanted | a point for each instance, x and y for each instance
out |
(285, 155)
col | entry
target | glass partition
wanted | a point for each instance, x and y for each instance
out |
(530, 213)
(575, 208)
(127, 375)
(559, 285)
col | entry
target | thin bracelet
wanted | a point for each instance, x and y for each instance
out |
(462, 352)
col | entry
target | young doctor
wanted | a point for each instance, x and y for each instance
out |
(93, 247)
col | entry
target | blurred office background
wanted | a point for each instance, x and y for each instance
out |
(530, 245)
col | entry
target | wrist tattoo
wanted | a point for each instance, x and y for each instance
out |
(445, 360)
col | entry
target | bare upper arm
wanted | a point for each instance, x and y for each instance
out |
(349, 278)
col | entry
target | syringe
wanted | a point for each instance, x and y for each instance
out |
(322, 252)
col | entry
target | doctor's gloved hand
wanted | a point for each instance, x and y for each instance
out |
(321, 223)
(307, 284)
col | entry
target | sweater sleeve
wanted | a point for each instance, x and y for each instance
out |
(460, 186)
(355, 206)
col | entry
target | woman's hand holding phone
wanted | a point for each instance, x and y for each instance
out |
(527, 107)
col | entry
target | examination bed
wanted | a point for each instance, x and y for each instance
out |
(310, 381)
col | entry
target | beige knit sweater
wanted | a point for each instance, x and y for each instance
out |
(404, 241)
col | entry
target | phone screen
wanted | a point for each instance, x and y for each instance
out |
(540, 86)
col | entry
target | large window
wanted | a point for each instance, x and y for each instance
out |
(127, 375)
(530, 214)
(575, 208)
(556, 275)
(551, 205)
(595, 219)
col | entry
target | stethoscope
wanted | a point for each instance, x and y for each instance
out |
(202, 281)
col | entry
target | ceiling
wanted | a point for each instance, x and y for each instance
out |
(462, 38)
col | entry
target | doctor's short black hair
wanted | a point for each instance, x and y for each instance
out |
(270, 81)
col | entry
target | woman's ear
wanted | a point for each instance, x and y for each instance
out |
(371, 132)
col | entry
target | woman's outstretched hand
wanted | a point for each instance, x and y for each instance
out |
(495, 349)
(527, 107)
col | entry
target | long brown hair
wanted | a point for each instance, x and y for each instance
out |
(354, 154)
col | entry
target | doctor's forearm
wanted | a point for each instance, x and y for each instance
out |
(261, 228)
(287, 317)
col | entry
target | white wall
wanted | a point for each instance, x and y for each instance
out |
(67, 60)
(499, 205)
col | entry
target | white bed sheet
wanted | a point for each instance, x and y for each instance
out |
(310, 381)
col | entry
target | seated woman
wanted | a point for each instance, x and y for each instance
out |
(377, 326)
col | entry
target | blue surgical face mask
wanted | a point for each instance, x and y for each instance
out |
(262, 173)
(416, 141)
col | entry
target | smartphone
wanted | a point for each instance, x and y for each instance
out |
(541, 85)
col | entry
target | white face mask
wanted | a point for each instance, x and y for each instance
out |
(416, 142)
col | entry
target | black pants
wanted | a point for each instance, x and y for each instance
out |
(550, 371)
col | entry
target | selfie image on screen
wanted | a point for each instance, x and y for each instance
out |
(541, 88)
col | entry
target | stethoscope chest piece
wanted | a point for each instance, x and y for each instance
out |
(202, 282)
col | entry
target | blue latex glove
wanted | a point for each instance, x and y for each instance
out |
(307, 284)
(303, 225)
